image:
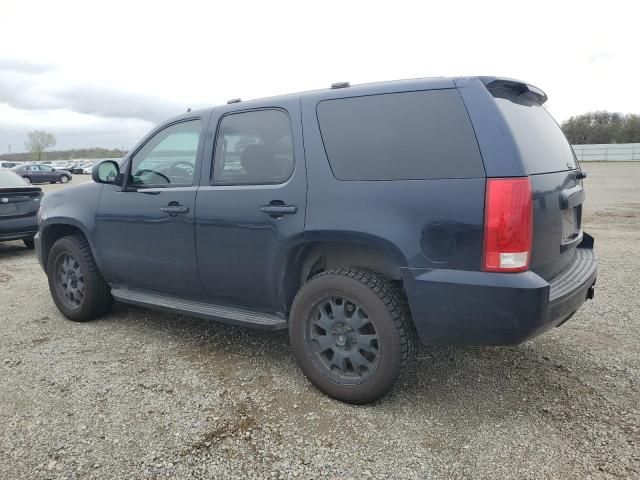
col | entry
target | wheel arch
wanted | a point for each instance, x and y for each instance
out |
(323, 251)
(52, 231)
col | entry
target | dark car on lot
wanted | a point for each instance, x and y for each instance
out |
(361, 218)
(19, 203)
(40, 173)
(79, 168)
(9, 164)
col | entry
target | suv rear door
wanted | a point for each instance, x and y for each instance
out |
(555, 181)
(518, 138)
(251, 204)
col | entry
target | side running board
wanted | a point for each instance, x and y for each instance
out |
(194, 308)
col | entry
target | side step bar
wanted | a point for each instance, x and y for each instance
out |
(194, 308)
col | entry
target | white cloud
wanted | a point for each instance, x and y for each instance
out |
(147, 60)
(51, 90)
(72, 129)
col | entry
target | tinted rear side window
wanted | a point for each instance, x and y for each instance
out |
(400, 136)
(542, 144)
(254, 147)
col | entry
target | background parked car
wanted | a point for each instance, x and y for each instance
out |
(9, 164)
(80, 168)
(19, 203)
(40, 173)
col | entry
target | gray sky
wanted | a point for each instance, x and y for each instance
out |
(103, 73)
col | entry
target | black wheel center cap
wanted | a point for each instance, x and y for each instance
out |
(342, 340)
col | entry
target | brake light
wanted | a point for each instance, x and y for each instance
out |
(507, 225)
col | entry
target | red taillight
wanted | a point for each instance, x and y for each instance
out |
(507, 225)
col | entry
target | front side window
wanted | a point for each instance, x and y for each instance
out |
(254, 148)
(168, 159)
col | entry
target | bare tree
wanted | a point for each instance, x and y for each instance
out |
(39, 142)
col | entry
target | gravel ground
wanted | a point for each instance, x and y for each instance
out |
(141, 394)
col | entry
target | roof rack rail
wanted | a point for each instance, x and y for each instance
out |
(340, 85)
(234, 100)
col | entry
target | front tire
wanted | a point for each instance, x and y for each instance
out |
(352, 334)
(76, 284)
(28, 180)
(64, 178)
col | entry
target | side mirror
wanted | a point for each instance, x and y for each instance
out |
(106, 172)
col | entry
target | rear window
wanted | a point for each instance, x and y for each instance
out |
(400, 136)
(9, 179)
(542, 144)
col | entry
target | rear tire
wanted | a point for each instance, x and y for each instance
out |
(352, 334)
(29, 243)
(76, 284)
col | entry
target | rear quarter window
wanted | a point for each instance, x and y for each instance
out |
(400, 136)
(541, 143)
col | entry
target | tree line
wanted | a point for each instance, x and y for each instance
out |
(88, 153)
(40, 141)
(602, 127)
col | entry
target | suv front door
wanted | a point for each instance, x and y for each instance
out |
(145, 230)
(251, 205)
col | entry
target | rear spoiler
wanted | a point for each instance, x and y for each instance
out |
(522, 89)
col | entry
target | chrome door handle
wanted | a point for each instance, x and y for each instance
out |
(174, 210)
(279, 209)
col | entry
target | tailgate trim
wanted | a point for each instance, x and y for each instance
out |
(572, 197)
(582, 267)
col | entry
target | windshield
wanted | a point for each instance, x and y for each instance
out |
(9, 179)
(542, 144)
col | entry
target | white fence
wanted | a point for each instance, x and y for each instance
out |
(608, 152)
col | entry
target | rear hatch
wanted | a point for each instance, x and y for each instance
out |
(17, 197)
(556, 180)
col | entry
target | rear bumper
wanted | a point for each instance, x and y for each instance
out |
(18, 227)
(482, 308)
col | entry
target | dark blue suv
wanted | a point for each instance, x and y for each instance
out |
(361, 218)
